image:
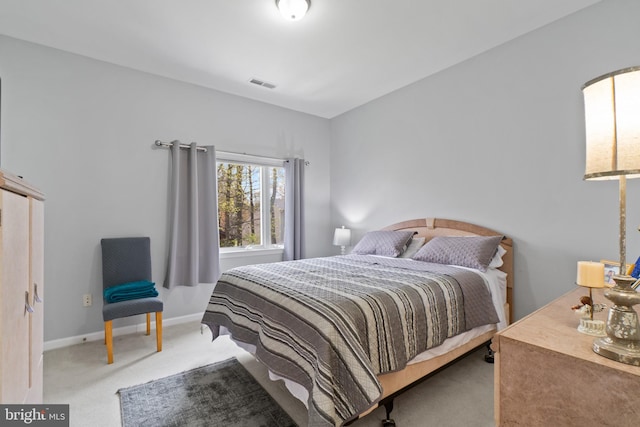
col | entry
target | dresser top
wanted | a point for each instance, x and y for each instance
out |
(554, 327)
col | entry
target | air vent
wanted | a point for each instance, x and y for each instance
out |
(262, 83)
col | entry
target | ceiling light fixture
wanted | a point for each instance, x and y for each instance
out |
(293, 10)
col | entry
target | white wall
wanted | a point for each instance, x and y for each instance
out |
(499, 141)
(82, 131)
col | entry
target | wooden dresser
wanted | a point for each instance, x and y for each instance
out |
(546, 373)
(21, 290)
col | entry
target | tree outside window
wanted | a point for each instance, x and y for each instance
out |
(250, 205)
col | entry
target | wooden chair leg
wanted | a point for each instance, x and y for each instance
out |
(148, 323)
(159, 330)
(108, 337)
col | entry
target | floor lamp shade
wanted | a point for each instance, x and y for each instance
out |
(612, 125)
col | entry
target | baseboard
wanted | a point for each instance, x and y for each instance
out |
(99, 336)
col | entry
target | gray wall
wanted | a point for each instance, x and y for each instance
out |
(499, 141)
(82, 131)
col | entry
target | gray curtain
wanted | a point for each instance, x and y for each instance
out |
(293, 209)
(193, 224)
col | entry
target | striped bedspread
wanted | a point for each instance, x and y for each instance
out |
(333, 324)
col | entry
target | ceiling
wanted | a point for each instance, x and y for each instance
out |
(343, 54)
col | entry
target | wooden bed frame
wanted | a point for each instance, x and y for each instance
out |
(395, 383)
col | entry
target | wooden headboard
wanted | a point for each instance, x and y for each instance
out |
(432, 227)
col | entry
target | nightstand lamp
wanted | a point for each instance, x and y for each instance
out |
(612, 131)
(342, 238)
(591, 275)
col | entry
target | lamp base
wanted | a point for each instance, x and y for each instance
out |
(622, 342)
(620, 353)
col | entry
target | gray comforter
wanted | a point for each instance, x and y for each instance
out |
(333, 324)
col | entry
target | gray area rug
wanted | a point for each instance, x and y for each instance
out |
(220, 394)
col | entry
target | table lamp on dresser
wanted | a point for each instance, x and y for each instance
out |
(612, 130)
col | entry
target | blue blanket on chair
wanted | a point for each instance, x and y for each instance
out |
(129, 291)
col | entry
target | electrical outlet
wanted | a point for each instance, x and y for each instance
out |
(86, 300)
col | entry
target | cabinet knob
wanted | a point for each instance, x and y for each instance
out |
(27, 307)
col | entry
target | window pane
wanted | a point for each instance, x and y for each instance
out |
(247, 215)
(239, 200)
(276, 205)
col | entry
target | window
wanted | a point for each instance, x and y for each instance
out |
(251, 193)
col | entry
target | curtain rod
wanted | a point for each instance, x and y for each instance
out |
(222, 154)
(168, 144)
(163, 144)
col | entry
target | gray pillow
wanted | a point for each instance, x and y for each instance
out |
(472, 251)
(387, 243)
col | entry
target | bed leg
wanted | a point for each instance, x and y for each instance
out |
(489, 356)
(388, 422)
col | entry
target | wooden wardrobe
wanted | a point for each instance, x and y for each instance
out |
(21, 290)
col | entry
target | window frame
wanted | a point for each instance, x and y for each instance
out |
(265, 163)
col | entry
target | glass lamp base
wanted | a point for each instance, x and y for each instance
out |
(620, 353)
(622, 342)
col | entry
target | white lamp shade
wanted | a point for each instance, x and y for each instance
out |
(342, 237)
(293, 10)
(612, 125)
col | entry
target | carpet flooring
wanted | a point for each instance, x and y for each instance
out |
(79, 375)
(219, 394)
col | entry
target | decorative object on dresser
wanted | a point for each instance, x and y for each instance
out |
(612, 106)
(612, 268)
(21, 291)
(342, 238)
(590, 275)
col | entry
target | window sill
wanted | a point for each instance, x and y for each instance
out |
(242, 253)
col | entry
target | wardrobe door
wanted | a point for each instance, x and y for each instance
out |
(15, 299)
(37, 300)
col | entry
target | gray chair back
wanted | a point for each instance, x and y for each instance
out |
(125, 259)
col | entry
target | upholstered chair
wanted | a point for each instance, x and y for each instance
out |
(125, 261)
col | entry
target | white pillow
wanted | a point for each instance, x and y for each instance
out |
(496, 261)
(415, 244)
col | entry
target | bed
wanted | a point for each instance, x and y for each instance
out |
(350, 332)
